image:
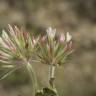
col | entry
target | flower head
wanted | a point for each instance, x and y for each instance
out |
(55, 48)
(16, 44)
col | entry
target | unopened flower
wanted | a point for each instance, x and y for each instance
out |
(68, 37)
(43, 39)
(51, 32)
(62, 38)
(35, 40)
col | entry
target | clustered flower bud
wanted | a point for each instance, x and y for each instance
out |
(55, 48)
(16, 43)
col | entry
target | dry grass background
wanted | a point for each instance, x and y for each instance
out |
(78, 76)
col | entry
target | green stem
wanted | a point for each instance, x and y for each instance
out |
(33, 78)
(52, 69)
(52, 75)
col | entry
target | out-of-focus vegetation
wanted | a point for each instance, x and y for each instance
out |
(78, 76)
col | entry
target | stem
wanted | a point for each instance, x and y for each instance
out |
(33, 78)
(52, 75)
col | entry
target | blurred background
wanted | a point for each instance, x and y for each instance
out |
(78, 76)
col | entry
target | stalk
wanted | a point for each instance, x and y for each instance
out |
(52, 75)
(32, 77)
(52, 69)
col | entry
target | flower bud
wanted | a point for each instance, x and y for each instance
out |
(68, 37)
(62, 38)
(43, 39)
(51, 32)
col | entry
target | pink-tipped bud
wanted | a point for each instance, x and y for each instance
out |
(43, 39)
(33, 40)
(62, 38)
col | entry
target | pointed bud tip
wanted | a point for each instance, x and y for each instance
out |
(68, 37)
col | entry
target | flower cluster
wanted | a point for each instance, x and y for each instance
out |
(16, 44)
(54, 48)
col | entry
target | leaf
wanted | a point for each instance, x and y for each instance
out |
(46, 92)
(39, 93)
(49, 92)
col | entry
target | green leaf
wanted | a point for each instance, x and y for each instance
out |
(49, 92)
(46, 92)
(39, 93)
